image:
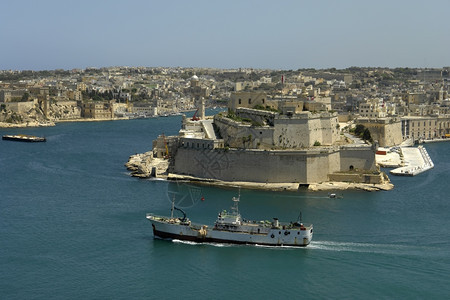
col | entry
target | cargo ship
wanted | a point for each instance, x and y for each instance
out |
(231, 228)
(23, 138)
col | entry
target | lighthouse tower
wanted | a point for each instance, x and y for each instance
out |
(198, 93)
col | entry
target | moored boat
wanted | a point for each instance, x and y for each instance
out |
(23, 138)
(231, 228)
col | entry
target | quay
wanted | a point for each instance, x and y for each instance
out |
(407, 161)
(416, 161)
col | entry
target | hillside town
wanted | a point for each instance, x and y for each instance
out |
(393, 104)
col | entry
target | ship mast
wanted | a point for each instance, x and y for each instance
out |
(235, 206)
(173, 207)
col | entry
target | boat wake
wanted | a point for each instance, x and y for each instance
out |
(393, 249)
(201, 244)
(222, 245)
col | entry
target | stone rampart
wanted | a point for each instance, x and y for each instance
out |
(238, 135)
(308, 166)
(357, 178)
(357, 158)
(20, 107)
(387, 131)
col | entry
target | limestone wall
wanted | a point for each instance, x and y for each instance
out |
(288, 132)
(321, 163)
(237, 135)
(20, 107)
(358, 178)
(305, 129)
(330, 129)
(387, 131)
(357, 158)
(257, 165)
(260, 116)
(295, 132)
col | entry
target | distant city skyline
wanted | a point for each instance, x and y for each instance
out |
(51, 34)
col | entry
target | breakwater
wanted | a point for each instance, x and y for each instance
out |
(416, 160)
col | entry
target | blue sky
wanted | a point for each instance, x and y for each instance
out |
(65, 34)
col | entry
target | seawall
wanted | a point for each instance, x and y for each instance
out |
(274, 166)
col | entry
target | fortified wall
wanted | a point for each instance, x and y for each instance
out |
(387, 131)
(268, 130)
(299, 166)
(305, 130)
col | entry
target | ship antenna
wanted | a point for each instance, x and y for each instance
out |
(299, 220)
(235, 206)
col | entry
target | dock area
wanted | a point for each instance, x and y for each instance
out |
(416, 161)
(407, 161)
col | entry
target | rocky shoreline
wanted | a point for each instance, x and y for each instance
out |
(53, 123)
(26, 125)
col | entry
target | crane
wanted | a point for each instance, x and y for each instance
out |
(194, 117)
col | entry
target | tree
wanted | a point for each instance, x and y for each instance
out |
(359, 129)
(25, 97)
(366, 135)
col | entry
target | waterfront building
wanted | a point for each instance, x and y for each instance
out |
(96, 110)
(387, 131)
(443, 126)
(417, 128)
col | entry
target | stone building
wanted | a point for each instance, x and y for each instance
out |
(250, 100)
(387, 131)
(373, 108)
(96, 110)
(419, 128)
(443, 126)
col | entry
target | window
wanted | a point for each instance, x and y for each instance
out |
(263, 100)
(249, 100)
(239, 101)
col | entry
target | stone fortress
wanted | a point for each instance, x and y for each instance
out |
(263, 142)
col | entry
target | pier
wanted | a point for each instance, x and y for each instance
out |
(416, 161)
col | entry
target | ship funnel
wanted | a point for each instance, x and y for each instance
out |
(275, 222)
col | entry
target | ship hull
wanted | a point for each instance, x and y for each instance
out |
(202, 234)
(24, 138)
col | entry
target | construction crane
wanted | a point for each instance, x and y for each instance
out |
(194, 117)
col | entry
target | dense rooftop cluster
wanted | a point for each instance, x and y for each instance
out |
(113, 92)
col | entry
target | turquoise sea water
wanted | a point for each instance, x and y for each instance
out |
(72, 225)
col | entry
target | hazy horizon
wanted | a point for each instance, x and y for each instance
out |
(291, 35)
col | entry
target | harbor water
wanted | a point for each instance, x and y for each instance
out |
(72, 225)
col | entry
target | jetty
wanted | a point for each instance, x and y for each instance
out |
(416, 161)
